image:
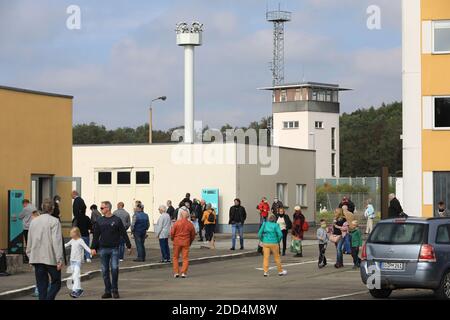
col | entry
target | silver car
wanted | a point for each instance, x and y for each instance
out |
(408, 253)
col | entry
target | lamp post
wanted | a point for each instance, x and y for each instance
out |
(150, 124)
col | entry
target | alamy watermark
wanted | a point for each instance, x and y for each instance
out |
(374, 279)
(73, 22)
(374, 17)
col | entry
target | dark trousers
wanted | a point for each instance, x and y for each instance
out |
(42, 272)
(139, 239)
(209, 231)
(285, 234)
(165, 251)
(121, 249)
(110, 261)
(25, 237)
(201, 226)
(356, 259)
(322, 258)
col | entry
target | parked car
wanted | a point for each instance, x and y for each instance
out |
(408, 253)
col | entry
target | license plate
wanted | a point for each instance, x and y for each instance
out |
(392, 266)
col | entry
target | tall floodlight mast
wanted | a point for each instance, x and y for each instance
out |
(278, 18)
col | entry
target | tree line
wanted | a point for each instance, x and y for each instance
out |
(369, 138)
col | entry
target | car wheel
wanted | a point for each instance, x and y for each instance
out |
(443, 292)
(380, 293)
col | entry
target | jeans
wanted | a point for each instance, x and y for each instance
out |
(76, 272)
(139, 239)
(275, 249)
(165, 251)
(322, 258)
(348, 243)
(87, 255)
(110, 260)
(42, 272)
(121, 249)
(339, 252)
(285, 234)
(239, 227)
(356, 259)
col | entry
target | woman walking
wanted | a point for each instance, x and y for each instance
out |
(297, 232)
(339, 228)
(285, 224)
(270, 235)
(209, 221)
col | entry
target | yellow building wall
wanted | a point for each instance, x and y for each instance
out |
(35, 138)
(435, 9)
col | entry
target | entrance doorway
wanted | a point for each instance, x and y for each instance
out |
(41, 189)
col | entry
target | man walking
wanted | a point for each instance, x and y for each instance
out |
(182, 235)
(78, 207)
(45, 252)
(107, 233)
(237, 219)
(162, 231)
(395, 209)
(25, 216)
(125, 217)
(139, 228)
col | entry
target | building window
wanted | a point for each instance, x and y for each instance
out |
(298, 94)
(291, 124)
(333, 138)
(142, 177)
(104, 178)
(300, 195)
(283, 96)
(333, 164)
(442, 112)
(441, 36)
(282, 193)
(123, 177)
(319, 124)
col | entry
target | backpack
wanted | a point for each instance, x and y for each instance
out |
(305, 226)
(211, 217)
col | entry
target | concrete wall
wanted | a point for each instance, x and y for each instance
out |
(36, 138)
(295, 167)
(291, 138)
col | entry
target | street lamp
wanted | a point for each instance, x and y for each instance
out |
(150, 124)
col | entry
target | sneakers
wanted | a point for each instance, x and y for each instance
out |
(120, 260)
(266, 274)
(76, 294)
(168, 261)
(88, 260)
(115, 295)
(106, 296)
(242, 248)
(184, 276)
(176, 275)
(232, 249)
(282, 273)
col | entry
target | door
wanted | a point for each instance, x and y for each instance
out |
(63, 187)
(41, 189)
(441, 189)
(15, 226)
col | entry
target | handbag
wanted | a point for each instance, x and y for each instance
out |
(296, 246)
(335, 238)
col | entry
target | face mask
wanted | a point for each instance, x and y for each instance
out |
(323, 225)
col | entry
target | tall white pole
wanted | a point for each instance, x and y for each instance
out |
(189, 93)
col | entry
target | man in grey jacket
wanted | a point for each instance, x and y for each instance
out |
(45, 251)
(126, 220)
(162, 231)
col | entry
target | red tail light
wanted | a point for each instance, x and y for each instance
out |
(364, 252)
(427, 253)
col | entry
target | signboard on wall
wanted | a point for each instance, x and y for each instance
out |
(15, 228)
(211, 196)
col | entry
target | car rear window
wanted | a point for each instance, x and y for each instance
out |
(398, 233)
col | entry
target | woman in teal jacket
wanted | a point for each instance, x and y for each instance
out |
(270, 235)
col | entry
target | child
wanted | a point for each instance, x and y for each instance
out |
(356, 243)
(322, 236)
(76, 256)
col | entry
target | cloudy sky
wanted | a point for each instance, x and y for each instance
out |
(125, 54)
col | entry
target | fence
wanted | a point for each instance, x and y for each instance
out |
(330, 201)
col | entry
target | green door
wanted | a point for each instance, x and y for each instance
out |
(15, 228)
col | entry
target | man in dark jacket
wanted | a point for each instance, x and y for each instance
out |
(79, 207)
(347, 202)
(395, 209)
(186, 199)
(171, 210)
(237, 219)
(277, 204)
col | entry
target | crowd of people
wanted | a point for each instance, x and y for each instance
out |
(45, 247)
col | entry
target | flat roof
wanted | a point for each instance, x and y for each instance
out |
(308, 84)
(42, 93)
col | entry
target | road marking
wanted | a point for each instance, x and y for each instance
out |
(345, 295)
(293, 264)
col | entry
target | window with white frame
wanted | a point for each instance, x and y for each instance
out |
(333, 138)
(319, 124)
(283, 96)
(333, 164)
(300, 195)
(441, 111)
(282, 193)
(441, 36)
(290, 124)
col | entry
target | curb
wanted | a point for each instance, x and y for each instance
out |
(18, 293)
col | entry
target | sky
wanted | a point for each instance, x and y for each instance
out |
(125, 55)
